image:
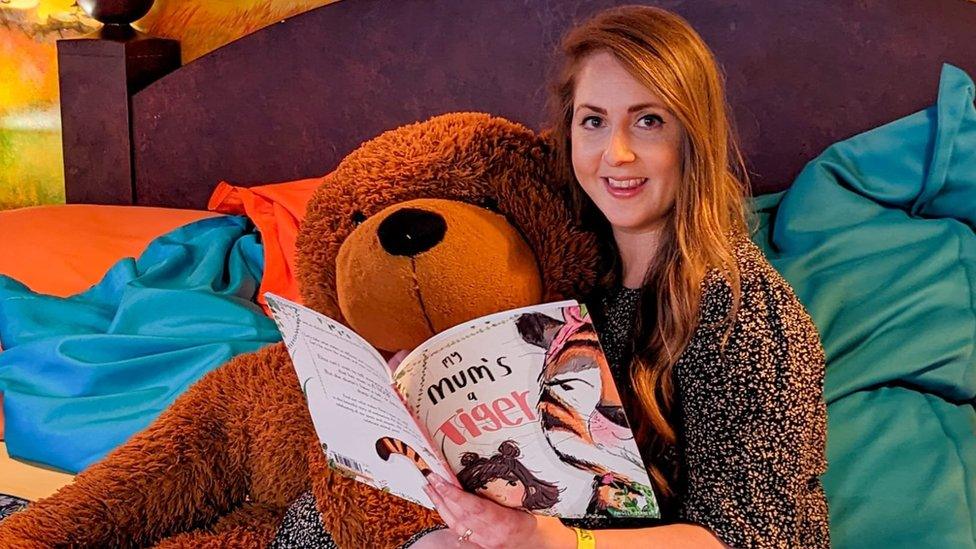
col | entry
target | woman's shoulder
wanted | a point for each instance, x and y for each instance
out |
(768, 306)
(754, 268)
(772, 337)
(758, 280)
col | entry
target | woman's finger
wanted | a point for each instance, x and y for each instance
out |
(462, 522)
(439, 505)
(396, 359)
(442, 509)
(461, 503)
(470, 512)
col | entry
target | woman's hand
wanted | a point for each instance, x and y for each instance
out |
(396, 359)
(487, 524)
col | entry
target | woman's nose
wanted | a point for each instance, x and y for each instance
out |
(618, 150)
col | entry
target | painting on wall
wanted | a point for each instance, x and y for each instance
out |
(31, 169)
(30, 137)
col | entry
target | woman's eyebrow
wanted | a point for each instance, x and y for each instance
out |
(591, 107)
(642, 106)
(631, 109)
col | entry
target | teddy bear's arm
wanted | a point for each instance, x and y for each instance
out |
(181, 472)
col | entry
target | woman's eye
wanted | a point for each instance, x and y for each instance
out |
(591, 122)
(650, 121)
(512, 483)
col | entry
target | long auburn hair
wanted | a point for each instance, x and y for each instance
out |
(662, 51)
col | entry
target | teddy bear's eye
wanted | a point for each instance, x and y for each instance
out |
(358, 217)
(490, 204)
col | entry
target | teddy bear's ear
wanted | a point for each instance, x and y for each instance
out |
(545, 136)
(545, 149)
(532, 191)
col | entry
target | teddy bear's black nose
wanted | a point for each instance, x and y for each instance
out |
(411, 231)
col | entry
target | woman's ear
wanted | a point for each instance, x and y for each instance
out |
(533, 490)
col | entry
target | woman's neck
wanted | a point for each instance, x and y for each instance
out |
(637, 251)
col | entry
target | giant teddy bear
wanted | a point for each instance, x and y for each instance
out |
(424, 227)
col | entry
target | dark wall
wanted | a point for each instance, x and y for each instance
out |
(291, 100)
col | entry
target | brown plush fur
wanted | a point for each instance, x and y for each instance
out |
(220, 466)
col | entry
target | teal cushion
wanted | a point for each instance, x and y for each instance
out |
(877, 238)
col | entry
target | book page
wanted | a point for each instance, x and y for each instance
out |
(529, 392)
(364, 427)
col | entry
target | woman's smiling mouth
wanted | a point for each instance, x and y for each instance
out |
(624, 188)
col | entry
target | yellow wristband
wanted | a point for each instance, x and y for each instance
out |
(585, 539)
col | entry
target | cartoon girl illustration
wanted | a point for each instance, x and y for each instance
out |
(503, 479)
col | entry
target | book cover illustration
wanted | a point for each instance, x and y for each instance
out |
(523, 407)
(517, 406)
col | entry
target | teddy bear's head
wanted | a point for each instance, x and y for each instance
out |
(435, 223)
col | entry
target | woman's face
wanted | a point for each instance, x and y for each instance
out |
(626, 146)
(510, 493)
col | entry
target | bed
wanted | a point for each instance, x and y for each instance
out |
(289, 101)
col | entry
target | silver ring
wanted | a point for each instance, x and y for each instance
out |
(464, 537)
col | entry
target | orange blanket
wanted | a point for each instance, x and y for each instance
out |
(277, 210)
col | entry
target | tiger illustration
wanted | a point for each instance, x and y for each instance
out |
(580, 410)
(619, 497)
(387, 446)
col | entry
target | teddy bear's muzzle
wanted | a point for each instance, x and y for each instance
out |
(422, 266)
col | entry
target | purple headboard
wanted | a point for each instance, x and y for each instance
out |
(293, 99)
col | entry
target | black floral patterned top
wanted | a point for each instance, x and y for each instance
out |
(751, 419)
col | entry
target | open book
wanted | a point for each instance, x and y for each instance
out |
(518, 406)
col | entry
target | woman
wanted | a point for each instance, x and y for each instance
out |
(720, 366)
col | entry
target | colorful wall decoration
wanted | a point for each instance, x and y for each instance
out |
(30, 123)
(30, 137)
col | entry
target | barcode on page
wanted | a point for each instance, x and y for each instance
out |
(349, 463)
